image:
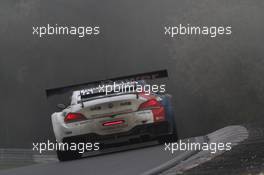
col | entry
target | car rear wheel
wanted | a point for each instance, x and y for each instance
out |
(168, 138)
(171, 118)
(67, 155)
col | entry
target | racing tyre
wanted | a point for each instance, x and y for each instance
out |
(170, 117)
(168, 138)
(67, 155)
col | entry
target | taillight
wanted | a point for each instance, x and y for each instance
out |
(74, 117)
(156, 108)
(113, 123)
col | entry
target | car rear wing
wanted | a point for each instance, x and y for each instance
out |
(136, 77)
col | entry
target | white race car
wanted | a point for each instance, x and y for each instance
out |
(116, 117)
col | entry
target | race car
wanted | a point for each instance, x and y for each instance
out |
(115, 117)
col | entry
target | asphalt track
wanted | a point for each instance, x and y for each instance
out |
(146, 158)
(129, 162)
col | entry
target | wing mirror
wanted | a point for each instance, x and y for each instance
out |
(61, 106)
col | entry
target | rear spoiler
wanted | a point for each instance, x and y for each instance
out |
(135, 77)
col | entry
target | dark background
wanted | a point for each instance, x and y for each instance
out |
(214, 81)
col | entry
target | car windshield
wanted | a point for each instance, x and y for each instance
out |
(106, 90)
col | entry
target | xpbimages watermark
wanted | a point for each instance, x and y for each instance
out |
(196, 146)
(51, 146)
(79, 31)
(188, 30)
(125, 87)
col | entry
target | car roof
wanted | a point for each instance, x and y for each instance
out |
(76, 95)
